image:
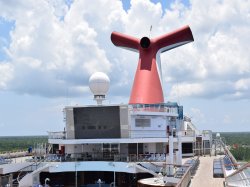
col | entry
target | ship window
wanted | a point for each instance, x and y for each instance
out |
(114, 146)
(142, 122)
(91, 127)
(106, 146)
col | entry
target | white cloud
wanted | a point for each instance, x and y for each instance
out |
(51, 54)
(60, 8)
(6, 72)
(2, 125)
(185, 90)
(55, 47)
(141, 16)
(218, 58)
(227, 119)
(197, 116)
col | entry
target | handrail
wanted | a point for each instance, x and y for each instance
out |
(14, 154)
(155, 108)
(144, 168)
(103, 156)
(22, 169)
(243, 179)
(186, 178)
(57, 135)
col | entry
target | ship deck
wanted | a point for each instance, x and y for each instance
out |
(204, 174)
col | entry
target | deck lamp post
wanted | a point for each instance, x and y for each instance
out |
(76, 164)
(99, 182)
(45, 182)
(113, 164)
(75, 175)
(114, 173)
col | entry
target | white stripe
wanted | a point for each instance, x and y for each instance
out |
(173, 46)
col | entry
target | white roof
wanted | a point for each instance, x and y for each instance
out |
(101, 141)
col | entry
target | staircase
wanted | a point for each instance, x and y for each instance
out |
(149, 168)
(25, 171)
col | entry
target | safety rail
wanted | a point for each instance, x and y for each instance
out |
(207, 134)
(28, 169)
(239, 182)
(16, 154)
(154, 108)
(156, 133)
(231, 157)
(150, 109)
(6, 180)
(193, 164)
(151, 166)
(186, 178)
(5, 160)
(101, 156)
(187, 133)
(57, 135)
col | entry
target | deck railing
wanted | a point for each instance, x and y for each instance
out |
(154, 108)
(186, 178)
(57, 135)
(99, 156)
(187, 133)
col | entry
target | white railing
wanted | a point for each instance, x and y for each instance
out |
(185, 180)
(154, 108)
(207, 134)
(187, 133)
(57, 135)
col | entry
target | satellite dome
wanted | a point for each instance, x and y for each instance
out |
(217, 135)
(99, 86)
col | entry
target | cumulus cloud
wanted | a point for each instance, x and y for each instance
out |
(227, 119)
(218, 59)
(197, 116)
(49, 54)
(56, 47)
(6, 72)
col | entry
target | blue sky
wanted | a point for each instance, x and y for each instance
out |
(49, 49)
(5, 28)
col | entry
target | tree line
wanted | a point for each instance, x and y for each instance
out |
(239, 143)
(17, 143)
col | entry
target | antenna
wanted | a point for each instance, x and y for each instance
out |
(150, 30)
(178, 93)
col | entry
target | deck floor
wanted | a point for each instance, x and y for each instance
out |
(204, 174)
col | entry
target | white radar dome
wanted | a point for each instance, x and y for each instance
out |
(99, 83)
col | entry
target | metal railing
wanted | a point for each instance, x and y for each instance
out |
(193, 164)
(154, 108)
(5, 160)
(16, 154)
(102, 156)
(6, 180)
(207, 134)
(57, 135)
(187, 133)
(239, 182)
(186, 179)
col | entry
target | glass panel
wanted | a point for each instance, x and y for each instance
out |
(142, 122)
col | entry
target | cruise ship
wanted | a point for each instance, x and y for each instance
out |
(147, 142)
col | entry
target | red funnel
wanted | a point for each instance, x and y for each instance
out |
(147, 87)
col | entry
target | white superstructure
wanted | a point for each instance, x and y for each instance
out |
(118, 144)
